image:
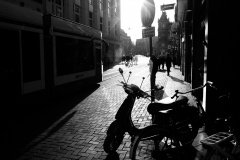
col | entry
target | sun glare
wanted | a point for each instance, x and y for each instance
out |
(131, 16)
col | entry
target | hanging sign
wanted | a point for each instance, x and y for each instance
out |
(148, 32)
(167, 6)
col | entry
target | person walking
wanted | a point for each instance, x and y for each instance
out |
(168, 63)
(153, 68)
(174, 61)
(159, 63)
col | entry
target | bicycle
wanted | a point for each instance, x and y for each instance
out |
(223, 145)
(170, 141)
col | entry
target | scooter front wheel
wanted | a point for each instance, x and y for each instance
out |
(114, 137)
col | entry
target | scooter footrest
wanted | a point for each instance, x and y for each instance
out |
(216, 139)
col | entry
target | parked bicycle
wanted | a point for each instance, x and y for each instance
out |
(174, 130)
(223, 145)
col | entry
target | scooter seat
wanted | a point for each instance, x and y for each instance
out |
(166, 104)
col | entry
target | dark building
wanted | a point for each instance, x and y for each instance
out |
(142, 46)
(208, 42)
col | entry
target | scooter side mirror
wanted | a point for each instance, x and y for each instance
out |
(120, 70)
(211, 85)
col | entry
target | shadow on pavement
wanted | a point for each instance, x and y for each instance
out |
(176, 79)
(112, 156)
(52, 131)
(187, 152)
(22, 123)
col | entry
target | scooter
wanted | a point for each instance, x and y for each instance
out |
(123, 121)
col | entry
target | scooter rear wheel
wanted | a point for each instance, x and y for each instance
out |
(114, 137)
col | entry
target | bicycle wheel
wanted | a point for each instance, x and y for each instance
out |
(213, 154)
(155, 143)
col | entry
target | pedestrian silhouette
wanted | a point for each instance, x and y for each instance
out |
(168, 63)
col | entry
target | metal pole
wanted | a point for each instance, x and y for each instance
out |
(150, 45)
(152, 84)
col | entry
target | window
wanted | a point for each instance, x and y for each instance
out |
(115, 12)
(115, 9)
(90, 2)
(100, 5)
(101, 23)
(58, 11)
(58, 8)
(58, 2)
(90, 19)
(109, 7)
(77, 13)
(109, 27)
(31, 56)
(73, 56)
(115, 30)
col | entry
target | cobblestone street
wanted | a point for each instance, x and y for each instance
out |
(80, 132)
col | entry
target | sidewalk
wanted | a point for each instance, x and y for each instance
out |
(75, 128)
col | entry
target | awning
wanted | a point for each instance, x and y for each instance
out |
(18, 13)
(60, 24)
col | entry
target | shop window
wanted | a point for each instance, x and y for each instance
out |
(91, 19)
(73, 56)
(31, 56)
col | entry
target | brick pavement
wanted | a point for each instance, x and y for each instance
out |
(80, 133)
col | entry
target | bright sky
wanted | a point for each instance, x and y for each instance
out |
(131, 16)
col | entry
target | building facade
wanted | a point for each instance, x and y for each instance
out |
(164, 39)
(103, 15)
(210, 49)
(175, 42)
(125, 43)
(142, 46)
